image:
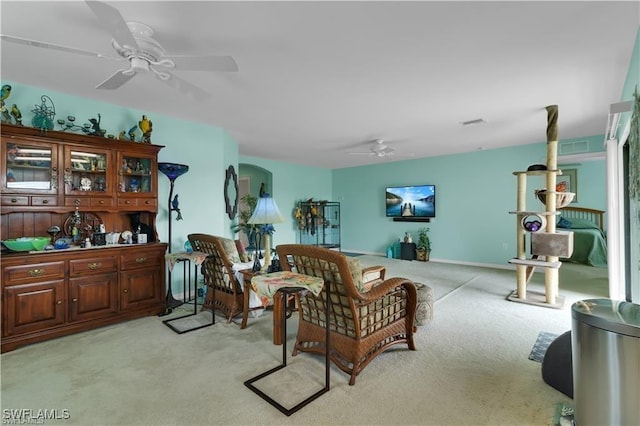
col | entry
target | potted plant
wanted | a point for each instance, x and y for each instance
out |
(423, 246)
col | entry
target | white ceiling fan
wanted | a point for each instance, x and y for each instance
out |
(133, 42)
(380, 149)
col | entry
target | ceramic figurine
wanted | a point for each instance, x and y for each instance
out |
(17, 115)
(132, 133)
(4, 114)
(5, 92)
(175, 206)
(146, 127)
(95, 127)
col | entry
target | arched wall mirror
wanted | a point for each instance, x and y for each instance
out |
(231, 192)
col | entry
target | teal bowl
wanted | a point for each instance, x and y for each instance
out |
(27, 243)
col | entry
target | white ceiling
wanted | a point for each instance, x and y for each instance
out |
(319, 79)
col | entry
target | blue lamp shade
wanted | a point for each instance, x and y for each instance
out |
(173, 170)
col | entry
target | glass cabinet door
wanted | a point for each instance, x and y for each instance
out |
(30, 166)
(136, 175)
(86, 170)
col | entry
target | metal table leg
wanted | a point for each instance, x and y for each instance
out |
(249, 383)
(167, 322)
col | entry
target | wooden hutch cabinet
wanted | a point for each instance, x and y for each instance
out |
(78, 183)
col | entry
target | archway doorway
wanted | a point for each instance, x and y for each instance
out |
(250, 179)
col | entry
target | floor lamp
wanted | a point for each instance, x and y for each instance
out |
(265, 213)
(172, 171)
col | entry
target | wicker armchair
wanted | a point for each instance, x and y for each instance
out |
(225, 292)
(363, 323)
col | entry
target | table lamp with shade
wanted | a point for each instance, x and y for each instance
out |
(172, 171)
(265, 213)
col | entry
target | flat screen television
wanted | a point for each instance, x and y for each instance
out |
(417, 201)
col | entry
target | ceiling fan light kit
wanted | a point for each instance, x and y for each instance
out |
(380, 149)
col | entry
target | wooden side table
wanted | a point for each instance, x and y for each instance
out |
(279, 307)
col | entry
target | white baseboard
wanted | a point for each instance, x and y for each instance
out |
(455, 262)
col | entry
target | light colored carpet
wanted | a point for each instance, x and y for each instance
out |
(471, 366)
(189, 321)
(443, 278)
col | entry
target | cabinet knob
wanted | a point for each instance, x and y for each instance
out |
(74, 300)
(125, 290)
(127, 202)
(45, 201)
(147, 202)
(14, 200)
(141, 259)
(94, 266)
(36, 272)
(59, 302)
(101, 201)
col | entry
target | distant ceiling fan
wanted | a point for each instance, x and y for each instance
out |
(133, 41)
(379, 149)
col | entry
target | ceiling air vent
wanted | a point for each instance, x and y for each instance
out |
(573, 147)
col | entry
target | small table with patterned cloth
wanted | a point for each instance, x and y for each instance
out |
(187, 258)
(269, 295)
(286, 283)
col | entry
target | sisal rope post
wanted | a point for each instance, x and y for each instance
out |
(551, 274)
(521, 270)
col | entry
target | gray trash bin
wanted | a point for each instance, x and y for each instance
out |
(606, 362)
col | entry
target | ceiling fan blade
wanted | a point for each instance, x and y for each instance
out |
(111, 19)
(186, 88)
(204, 63)
(44, 45)
(117, 79)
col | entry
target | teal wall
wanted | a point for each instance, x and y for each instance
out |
(591, 175)
(256, 176)
(474, 193)
(633, 76)
(290, 184)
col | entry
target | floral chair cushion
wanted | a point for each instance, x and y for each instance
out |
(356, 272)
(231, 250)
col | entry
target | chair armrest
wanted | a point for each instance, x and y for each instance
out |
(378, 271)
(372, 275)
(389, 286)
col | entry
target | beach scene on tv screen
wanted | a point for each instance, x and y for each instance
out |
(411, 201)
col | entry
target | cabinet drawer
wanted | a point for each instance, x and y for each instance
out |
(137, 202)
(11, 200)
(140, 260)
(38, 271)
(77, 201)
(44, 201)
(94, 265)
(101, 202)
